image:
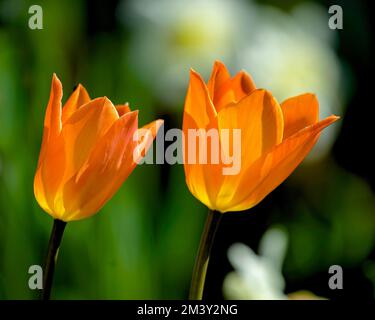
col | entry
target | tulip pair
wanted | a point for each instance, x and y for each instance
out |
(90, 147)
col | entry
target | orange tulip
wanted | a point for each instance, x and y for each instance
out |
(274, 138)
(86, 153)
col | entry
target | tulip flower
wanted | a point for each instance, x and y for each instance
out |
(274, 140)
(87, 153)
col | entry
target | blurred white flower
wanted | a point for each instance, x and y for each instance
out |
(290, 54)
(257, 277)
(171, 36)
(286, 53)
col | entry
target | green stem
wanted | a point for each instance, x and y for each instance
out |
(203, 255)
(53, 251)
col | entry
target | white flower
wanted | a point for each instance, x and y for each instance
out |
(171, 36)
(290, 54)
(257, 277)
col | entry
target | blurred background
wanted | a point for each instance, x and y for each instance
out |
(142, 244)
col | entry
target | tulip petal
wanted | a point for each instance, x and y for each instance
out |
(52, 119)
(271, 169)
(49, 174)
(260, 120)
(198, 104)
(203, 180)
(145, 137)
(299, 112)
(109, 164)
(219, 76)
(233, 90)
(39, 192)
(78, 98)
(122, 109)
(83, 130)
(51, 161)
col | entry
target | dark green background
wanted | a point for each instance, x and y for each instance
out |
(143, 243)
